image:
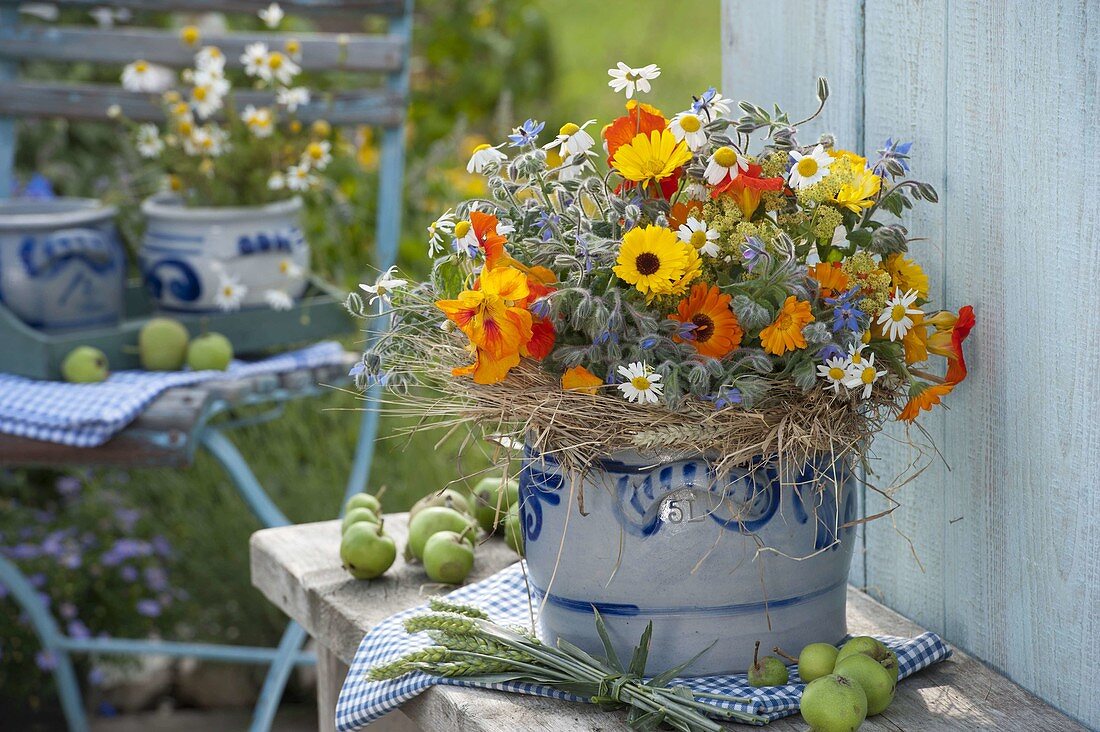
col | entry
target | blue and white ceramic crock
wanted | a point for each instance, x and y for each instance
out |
(723, 559)
(62, 266)
(187, 251)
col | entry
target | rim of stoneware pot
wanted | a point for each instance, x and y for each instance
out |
(21, 214)
(167, 206)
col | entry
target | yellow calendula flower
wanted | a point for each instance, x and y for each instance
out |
(649, 158)
(905, 275)
(189, 35)
(654, 260)
(861, 192)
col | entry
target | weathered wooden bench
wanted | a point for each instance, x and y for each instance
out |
(298, 569)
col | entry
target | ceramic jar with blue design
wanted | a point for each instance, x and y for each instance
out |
(62, 266)
(188, 252)
(727, 559)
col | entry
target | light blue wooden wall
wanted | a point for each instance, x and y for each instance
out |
(1002, 100)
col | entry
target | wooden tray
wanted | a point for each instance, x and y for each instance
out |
(256, 331)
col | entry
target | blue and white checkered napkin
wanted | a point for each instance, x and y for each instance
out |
(504, 597)
(86, 415)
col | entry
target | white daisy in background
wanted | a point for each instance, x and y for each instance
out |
(689, 126)
(259, 120)
(276, 182)
(642, 384)
(205, 100)
(230, 292)
(317, 155)
(213, 78)
(278, 300)
(572, 139)
(288, 268)
(299, 178)
(631, 80)
(278, 68)
(696, 233)
(142, 76)
(380, 291)
(114, 111)
(809, 169)
(895, 315)
(439, 231)
(293, 48)
(863, 374)
(210, 58)
(149, 144)
(254, 58)
(272, 15)
(483, 156)
(835, 370)
(208, 141)
(292, 98)
(722, 162)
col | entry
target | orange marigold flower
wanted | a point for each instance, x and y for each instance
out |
(579, 378)
(717, 331)
(923, 396)
(747, 189)
(640, 118)
(785, 333)
(830, 277)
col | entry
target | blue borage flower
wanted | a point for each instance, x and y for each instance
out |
(896, 152)
(727, 396)
(527, 133)
(845, 312)
(752, 251)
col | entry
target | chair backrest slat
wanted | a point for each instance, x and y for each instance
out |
(295, 7)
(319, 51)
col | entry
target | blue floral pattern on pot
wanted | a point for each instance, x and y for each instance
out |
(710, 558)
(62, 266)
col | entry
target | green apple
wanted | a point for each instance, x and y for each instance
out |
(162, 345)
(365, 551)
(816, 660)
(364, 500)
(491, 503)
(432, 520)
(833, 704)
(447, 498)
(872, 647)
(766, 671)
(84, 365)
(210, 352)
(513, 530)
(877, 682)
(356, 515)
(449, 556)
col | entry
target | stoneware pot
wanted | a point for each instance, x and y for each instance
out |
(672, 542)
(62, 267)
(187, 251)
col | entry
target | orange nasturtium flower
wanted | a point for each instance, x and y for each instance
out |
(830, 277)
(716, 331)
(581, 379)
(951, 331)
(785, 332)
(748, 188)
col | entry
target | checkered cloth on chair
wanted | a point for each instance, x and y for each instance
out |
(85, 415)
(504, 597)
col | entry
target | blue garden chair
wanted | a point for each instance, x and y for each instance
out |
(178, 423)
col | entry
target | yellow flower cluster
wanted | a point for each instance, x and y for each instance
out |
(875, 285)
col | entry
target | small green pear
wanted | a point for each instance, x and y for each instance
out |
(816, 660)
(877, 682)
(432, 520)
(492, 501)
(210, 352)
(833, 704)
(513, 531)
(162, 345)
(766, 671)
(84, 365)
(356, 515)
(365, 551)
(364, 500)
(872, 647)
(449, 556)
(447, 498)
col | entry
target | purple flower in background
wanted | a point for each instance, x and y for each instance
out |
(37, 580)
(127, 518)
(71, 560)
(25, 551)
(162, 546)
(46, 660)
(68, 486)
(156, 579)
(67, 610)
(96, 676)
(527, 133)
(148, 608)
(124, 549)
(79, 630)
(128, 572)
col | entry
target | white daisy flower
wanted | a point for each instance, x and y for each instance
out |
(835, 370)
(642, 384)
(254, 58)
(278, 68)
(317, 155)
(210, 58)
(863, 374)
(573, 171)
(230, 292)
(631, 80)
(208, 141)
(483, 156)
(722, 162)
(380, 291)
(895, 316)
(272, 15)
(278, 300)
(689, 126)
(292, 98)
(149, 144)
(205, 100)
(439, 231)
(465, 239)
(289, 269)
(212, 78)
(276, 182)
(260, 121)
(572, 140)
(142, 76)
(299, 178)
(809, 169)
(696, 233)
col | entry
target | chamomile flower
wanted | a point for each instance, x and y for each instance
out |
(696, 233)
(465, 239)
(272, 15)
(212, 78)
(149, 144)
(205, 100)
(572, 139)
(725, 161)
(317, 155)
(278, 300)
(278, 68)
(299, 178)
(288, 268)
(809, 169)
(276, 181)
(380, 291)
(254, 58)
(483, 156)
(209, 141)
(835, 370)
(142, 76)
(689, 126)
(210, 58)
(630, 80)
(642, 385)
(230, 292)
(863, 375)
(439, 231)
(292, 98)
(895, 316)
(260, 121)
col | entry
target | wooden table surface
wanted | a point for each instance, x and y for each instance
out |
(298, 569)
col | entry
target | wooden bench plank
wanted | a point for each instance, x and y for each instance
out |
(298, 569)
(91, 102)
(295, 7)
(320, 52)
